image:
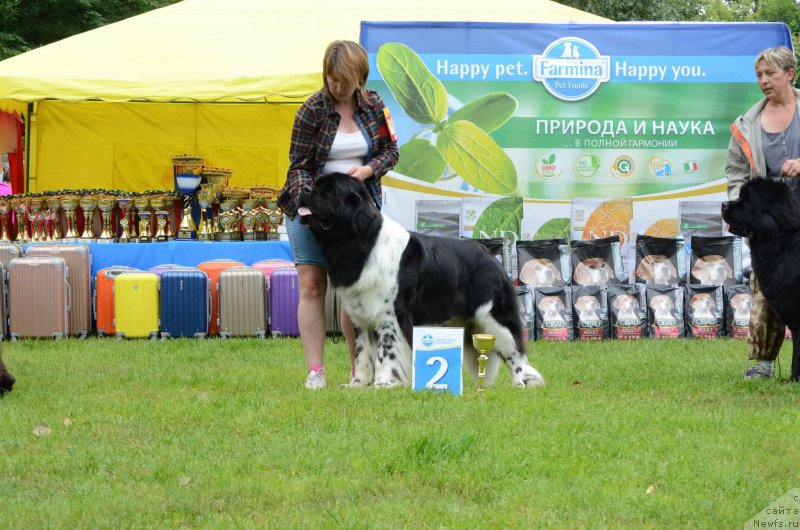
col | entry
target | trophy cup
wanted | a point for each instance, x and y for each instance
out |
(37, 219)
(204, 198)
(187, 184)
(274, 217)
(484, 344)
(68, 204)
(106, 203)
(124, 204)
(142, 204)
(88, 204)
(250, 219)
(229, 219)
(5, 210)
(54, 205)
(159, 204)
(21, 206)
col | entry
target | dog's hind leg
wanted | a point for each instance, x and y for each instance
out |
(6, 379)
(365, 358)
(509, 345)
(796, 353)
(393, 362)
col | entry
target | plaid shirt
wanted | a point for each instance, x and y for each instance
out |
(315, 126)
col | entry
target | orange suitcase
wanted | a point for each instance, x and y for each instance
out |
(212, 268)
(104, 298)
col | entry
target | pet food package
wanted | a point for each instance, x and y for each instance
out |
(438, 217)
(738, 302)
(500, 248)
(553, 309)
(590, 312)
(660, 261)
(627, 310)
(544, 262)
(665, 311)
(597, 262)
(704, 311)
(525, 299)
(715, 260)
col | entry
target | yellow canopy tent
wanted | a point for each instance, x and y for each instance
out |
(220, 78)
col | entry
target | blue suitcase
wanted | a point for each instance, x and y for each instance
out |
(185, 303)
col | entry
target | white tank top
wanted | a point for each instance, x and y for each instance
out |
(348, 150)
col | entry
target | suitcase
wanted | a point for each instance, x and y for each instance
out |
(37, 297)
(79, 263)
(136, 305)
(268, 266)
(185, 303)
(212, 268)
(3, 302)
(9, 251)
(104, 298)
(284, 296)
(158, 270)
(242, 303)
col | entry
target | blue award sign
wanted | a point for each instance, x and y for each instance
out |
(438, 359)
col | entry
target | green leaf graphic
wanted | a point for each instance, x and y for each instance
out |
(595, 162)
(420, 159)
(477, 158)
(503, 215)
(418, 91)
(554, 229)
(551, 159)
(488, 112)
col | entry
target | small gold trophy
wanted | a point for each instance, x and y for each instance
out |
(54, 205)
(230, 218)
(484, 344)
(37, 219)
(21, 206)
(159, 204)
(249, 219)
(88, 204)
(205, 197)
(125, 204)
(68, 204)
(187, 170)
(106, 203)
(145, 224)
(5, 210)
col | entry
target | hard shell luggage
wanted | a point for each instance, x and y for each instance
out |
(185, 303)
(212, 268)
(242, 303)
(284, 296)
(268, 266)
(79, 261)
(158, 270)
(9, 251)
(104, 298)
(3, 302)
(38, 297)
(136, 305)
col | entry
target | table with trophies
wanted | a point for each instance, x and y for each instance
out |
(203, 218)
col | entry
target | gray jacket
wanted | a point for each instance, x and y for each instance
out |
(745, 156)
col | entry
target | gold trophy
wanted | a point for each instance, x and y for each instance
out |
(205, 197)
(145, 224)
(88, 204)
(106, 203)
(5, 210)
(250, 219)
(68, 204)
(274, 217)
(187, 170)
(36, 216)
(159, 204)
(229, 218)
(21, 206)
(54, 205)
(484, 344)
(124, 203)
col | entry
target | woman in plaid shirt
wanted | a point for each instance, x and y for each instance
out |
(341, 128)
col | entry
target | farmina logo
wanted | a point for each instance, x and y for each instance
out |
(571, 68)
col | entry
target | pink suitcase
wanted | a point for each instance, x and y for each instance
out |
(268, 266)
(37, 297)
(284, 296)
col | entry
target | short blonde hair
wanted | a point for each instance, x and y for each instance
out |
(778, 57)
(346, 60)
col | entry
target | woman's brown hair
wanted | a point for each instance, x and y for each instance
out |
(347, 61)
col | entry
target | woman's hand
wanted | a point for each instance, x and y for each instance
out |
(791, 168)
(361, 173)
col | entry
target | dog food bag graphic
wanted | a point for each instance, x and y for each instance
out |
(665, 311)
(738, 301)
(553, 307)
(525, 299)
(590, 312)
(704, 311)
(660, 260)
(715, 260)
(597, 262)
(501, 249)
(627, 311)
(544, 262)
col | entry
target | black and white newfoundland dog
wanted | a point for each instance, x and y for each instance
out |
(769, 214)
(390, 280)
(6, 379)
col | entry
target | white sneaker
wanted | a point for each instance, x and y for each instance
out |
(316, 380)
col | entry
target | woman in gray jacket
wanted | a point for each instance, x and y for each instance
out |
(765, 143)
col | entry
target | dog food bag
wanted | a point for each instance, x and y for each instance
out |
(544, 262)
(597, 262)
(738, 301)
(590, 312)
(715, 260)
(627, 310)
(665, 311)
(660, 261)
(553, 310)
(500, 248)
(525, 299)
(704, 311)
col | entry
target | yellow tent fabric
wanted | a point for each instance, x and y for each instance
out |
(110, 105)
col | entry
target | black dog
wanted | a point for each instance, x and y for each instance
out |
(6, 379)
(769, 214)
(390, 280)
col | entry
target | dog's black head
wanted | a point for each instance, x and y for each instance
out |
(337, 207)
(765, 207)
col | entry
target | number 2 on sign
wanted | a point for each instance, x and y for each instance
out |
(434, 382)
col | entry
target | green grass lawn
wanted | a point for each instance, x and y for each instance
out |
(220, 434)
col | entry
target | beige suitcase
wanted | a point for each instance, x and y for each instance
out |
(37, 297)
(242, 303)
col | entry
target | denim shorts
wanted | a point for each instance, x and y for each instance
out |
(305, 248)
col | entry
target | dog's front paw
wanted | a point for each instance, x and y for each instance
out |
(528, 376)
(387, 382)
